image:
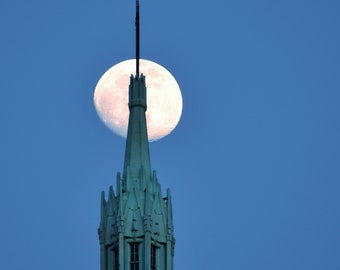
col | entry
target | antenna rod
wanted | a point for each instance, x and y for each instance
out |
(137, 38)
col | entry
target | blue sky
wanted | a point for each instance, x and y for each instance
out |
(253, 165)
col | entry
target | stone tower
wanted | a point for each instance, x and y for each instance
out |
(136, 227)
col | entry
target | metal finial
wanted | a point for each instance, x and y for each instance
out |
(137, 38)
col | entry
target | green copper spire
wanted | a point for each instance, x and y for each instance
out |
(137, 156)
(136, 228)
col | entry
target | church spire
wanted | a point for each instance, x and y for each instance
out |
(137, 156)
(136, 228)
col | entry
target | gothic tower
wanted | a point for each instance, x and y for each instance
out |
(136, 227)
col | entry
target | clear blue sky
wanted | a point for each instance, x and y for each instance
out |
(254, 164)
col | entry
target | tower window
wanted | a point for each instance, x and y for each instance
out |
(134, 256)
(153, 257)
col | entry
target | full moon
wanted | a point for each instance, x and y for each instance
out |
(164, 99)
